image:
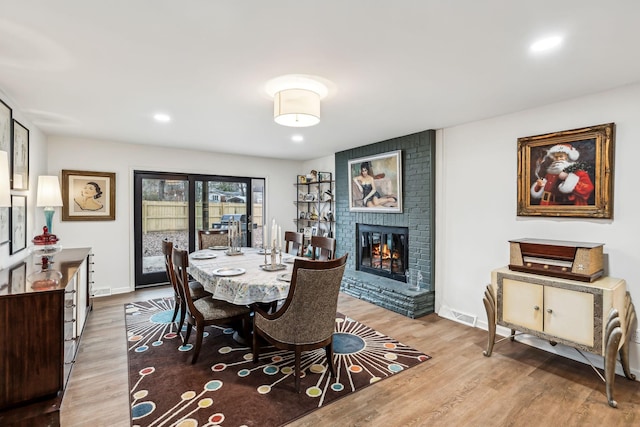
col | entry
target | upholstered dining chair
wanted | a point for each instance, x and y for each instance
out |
(204, 311)
(209, 238)
(306, 320)
(323, 248)
(294, 242)
(196, 288)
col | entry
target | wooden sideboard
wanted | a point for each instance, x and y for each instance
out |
(40, 330)
(596, 317)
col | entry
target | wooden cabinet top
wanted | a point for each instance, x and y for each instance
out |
(13, 279)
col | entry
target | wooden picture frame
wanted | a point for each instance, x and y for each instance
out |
(567, 173)
(18, 223)
(20, 162)
(88, 196)
(383, 175)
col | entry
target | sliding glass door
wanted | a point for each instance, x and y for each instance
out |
(176, 206)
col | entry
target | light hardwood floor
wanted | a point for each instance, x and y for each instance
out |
(517, 386)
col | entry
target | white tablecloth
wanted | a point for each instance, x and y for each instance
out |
(255, 285)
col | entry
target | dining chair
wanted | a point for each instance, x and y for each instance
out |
(209, 238)
(306, 320)
(323, 248)
(196, 288)
(204, 311)
(294, 242)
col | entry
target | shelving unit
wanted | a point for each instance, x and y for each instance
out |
(315, 206)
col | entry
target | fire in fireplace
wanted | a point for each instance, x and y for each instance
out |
(383, 250)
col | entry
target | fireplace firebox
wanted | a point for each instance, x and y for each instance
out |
(383, 250)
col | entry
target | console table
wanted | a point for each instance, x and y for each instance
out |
(39, 335)
(596, 317)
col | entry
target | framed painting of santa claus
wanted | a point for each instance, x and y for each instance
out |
(567, 173)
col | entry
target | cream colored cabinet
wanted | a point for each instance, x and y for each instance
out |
(593, 317)
(547, 309)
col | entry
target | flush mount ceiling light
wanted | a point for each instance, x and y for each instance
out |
(546, 44)
(296, 100)
(162, 118)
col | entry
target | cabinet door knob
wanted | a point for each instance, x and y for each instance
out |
(536, 308)
(549, 311)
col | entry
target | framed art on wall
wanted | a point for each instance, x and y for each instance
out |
(376, 183)
(18, 223)
(567, 173)
(88, 196)
(20, 164)
(5, 129)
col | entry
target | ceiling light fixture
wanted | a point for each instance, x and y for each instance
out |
(297, 138)
(546, 44)
(296, 100)
(161, 117)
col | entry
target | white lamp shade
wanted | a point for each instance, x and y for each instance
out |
(296, 108)
(5, 185)
(49, 191)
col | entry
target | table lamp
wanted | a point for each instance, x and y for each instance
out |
(49, 196)
(5, 186)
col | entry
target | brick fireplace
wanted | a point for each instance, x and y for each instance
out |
(389, 290)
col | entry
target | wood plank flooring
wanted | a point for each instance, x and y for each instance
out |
(517, 386)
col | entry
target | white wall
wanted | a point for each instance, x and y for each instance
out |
(476, 198)
(112, 241)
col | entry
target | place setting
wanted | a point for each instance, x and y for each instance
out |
(229, 271)
(202, 255)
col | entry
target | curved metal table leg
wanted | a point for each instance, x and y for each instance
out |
(612, 340)
(630, 323)
(489, 301)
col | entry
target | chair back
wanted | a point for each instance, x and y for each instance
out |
(294, 242)
(180, 269)
(323, 248)
(308, 314)
(208, 238)
(167, 248)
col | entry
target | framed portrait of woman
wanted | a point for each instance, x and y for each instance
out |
(376, 183)
(88, 196)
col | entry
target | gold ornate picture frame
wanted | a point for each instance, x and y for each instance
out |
(567, 173)
(88, 196)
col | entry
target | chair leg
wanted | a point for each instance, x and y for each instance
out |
(199, 335)
(187, 334)
(176, 307)
(297, 368)
(256, 347)
(183, 312)
(329, 351)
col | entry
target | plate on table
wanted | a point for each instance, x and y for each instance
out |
(218, 248)
(203, 255)
(285, 277)
(228, 271)
(291, 259)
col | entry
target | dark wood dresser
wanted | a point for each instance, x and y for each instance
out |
(40, 328)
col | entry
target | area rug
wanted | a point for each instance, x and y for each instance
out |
(226, 388)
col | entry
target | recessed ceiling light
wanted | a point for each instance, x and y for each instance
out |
(161, 117)
(546, 44)
(297, 138)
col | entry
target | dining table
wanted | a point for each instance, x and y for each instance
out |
(243, 279)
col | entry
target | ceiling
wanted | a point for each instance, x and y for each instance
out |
(101, 69)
